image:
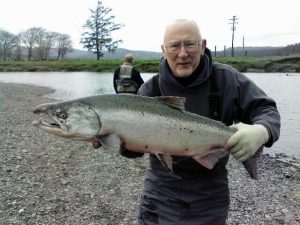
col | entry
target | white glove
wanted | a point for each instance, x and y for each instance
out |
(247, 140)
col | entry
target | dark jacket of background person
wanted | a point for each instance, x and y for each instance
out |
(197, 188)
(126, 78)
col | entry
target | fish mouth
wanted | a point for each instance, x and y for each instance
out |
(52, 127)
(59, 130)
(42, 123)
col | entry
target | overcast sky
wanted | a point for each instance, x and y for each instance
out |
(260, 22)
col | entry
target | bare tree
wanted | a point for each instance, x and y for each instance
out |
(7, 43)
(45, 42)
(99, 27)
(50, 41)
(18, 48)
(64, 44)
(40, 45)
(38, 41)
(30, 38)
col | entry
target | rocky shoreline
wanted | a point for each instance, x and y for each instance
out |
(50, 180)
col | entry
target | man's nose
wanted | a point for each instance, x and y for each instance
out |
(182, 50)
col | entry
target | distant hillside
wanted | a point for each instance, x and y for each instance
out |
(261, 51)
(76, 54)
(119, 54)
(251, 51)
(238, 51)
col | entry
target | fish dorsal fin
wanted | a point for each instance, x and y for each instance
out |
(173, 101)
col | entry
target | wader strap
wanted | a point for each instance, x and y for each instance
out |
(155, 86)
(214, 100)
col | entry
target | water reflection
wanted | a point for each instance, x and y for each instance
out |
(284, 89)
(67, 84)
(286, 92)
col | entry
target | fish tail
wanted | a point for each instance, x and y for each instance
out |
(251, 164)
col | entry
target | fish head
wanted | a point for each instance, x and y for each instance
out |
(70, 119)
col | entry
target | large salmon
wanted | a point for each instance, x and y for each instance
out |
(158, 125)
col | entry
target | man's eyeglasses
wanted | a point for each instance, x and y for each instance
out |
(175, 47)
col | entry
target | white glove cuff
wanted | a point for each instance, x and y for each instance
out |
(262, 130)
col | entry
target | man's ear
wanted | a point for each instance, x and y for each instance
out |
(203, 43)
(203, 46)
(163, 49)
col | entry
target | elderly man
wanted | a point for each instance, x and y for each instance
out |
(195, 195)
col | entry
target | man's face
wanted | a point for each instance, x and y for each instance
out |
(183, 49)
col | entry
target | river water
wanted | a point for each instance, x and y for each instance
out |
(284, 88)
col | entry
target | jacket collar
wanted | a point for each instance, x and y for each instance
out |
(168, 81)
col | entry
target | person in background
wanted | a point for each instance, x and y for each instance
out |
(126, 78)
(194, 195)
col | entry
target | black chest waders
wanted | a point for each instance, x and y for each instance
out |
(165, 210)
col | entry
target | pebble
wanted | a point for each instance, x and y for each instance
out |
(58, 181)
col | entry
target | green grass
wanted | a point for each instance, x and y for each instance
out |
(76, 65)
(243, 64)
(264, 64)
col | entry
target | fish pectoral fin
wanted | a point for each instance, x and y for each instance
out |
(166, 161)
(211, 158)
(109, 141)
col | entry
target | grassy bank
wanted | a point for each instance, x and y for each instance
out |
(243, 64)
(264, 64)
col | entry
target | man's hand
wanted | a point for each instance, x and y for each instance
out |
(247, 140)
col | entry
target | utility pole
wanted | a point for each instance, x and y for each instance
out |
(244, 45)
(233, 28)
(215, 51)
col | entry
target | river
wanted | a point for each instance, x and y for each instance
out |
(284, 88)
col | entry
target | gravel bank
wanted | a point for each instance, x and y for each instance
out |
(50, 180)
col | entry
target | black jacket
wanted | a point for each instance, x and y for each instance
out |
(241, 100)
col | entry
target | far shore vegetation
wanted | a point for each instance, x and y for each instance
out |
(243, 64)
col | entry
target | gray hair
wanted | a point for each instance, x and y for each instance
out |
(191, 25)
(128, 58)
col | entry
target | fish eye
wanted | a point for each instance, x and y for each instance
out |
(63, 115)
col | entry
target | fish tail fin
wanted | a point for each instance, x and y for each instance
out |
(251, 167)
(251, 164)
